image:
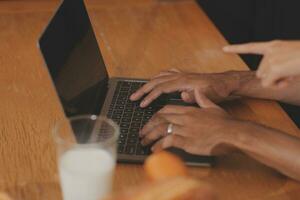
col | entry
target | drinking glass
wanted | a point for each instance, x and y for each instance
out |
(86, 152)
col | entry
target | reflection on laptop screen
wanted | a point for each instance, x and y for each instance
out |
(74, 61)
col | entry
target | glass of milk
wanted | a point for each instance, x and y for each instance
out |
(86, 149)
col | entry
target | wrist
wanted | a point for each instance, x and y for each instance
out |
(235, 138)
(236, 81)
(242, 135)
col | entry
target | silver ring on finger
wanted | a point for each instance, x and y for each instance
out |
(170, 129)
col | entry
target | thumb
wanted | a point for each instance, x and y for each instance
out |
(188, 97)
(203, 101)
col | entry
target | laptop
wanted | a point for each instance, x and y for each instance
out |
(76, 66)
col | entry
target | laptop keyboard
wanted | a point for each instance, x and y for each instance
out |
(130, 117)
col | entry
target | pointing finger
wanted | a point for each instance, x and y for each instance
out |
(252, 48)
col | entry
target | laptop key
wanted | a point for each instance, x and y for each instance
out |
(136, 119)
(121, 141)
(123, 94)
(128, 110)
(121, 107)
(121, 148)
(124, 130)
(130, 149)
(122, 98)
(147, 117)
(125, 84)
(134, 130)
(129, 105)
(133, 135)
(138, 114)
(126, 119)
(127, 114)
(139, 109)
(116, 116)
(120, 102)
(149, 113)
(124, 125)
(129, 102)
(124, 89)
(115, 96)
(135, 84)
(140, 150)
(118, 112)
(135, 125)
(132, 140)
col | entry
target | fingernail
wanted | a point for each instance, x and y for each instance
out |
(152, 148)
(132, 97)
(143, 103)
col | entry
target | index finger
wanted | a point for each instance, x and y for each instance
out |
(149, 86)
(166, 87)
(252, 48)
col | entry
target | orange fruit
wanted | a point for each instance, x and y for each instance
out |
(4, 196)
(163, 165)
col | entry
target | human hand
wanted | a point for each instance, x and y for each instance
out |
(281, 61)
(202, 131)
(215, 86)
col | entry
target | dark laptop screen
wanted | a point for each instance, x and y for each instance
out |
(74, 60)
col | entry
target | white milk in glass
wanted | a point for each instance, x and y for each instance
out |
(86, 173)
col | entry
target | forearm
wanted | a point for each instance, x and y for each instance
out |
(246, 84)
(271, 147)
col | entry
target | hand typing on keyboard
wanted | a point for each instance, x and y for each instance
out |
(198, 131)
(215, 86)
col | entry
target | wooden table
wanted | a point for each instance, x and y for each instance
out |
(138, 38)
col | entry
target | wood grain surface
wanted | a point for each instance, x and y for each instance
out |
(138, 38)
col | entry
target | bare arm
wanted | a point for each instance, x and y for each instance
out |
(248, 85)
(216, 86)
(271, 147)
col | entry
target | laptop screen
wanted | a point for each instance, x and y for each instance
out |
(73, 58)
